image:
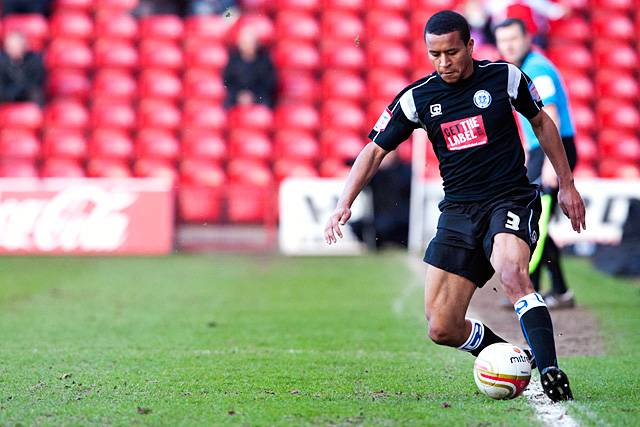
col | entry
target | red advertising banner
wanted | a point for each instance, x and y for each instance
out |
(86, 216)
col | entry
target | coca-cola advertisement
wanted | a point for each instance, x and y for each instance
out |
(86, 216)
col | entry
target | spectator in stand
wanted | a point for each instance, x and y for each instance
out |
(22, 72)
(249, 76)
(10, 7)
(211, 7)
(160, 7)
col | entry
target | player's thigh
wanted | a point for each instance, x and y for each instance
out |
(510, 260)
(446, 296)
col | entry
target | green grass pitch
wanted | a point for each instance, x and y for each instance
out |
(244, 340)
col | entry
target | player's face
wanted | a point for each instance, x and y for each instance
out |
(450, 56)
(512, 43)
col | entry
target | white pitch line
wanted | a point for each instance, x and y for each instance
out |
(551, 414)
(417, 269)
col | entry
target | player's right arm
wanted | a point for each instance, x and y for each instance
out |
(395, 125)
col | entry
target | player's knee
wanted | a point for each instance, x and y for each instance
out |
(513, 275)
(441, 334)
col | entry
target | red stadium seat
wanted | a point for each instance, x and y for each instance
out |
(297, 145)
(206, 55)
(120, 26)
(116, 5)
(64, 144)
(343, 115)
(612, 84)
(343, 55)
(108, 168)
(260, 6)
(587, 149)
(306, 55)
(391, 55)
(572, 29)
(200, 203)
(71, 25)
(68, 83)
(420, 60)
(203, 144)
(584, 171)
(334, 168)
(202, 173)
(613, 26)
(19, 168)
(160, 84)
(19, 144)
(157, 144)
(248, 203)
(343, 85)
(386, 85)
(615, 56)
(166, 27)
(61, 168)
(63, 53)
(74, 5)
(486, 51)
(155, 113)
(250, 144)
(67, 114)
(114, 114)
(386, 25)
(583, 117)
(302, 5)
(160, 54)
(207, 27)
(290, 168)
(342, 26)
(297, 116)
(33, 26)
(618, 115)
(111, 144)
(299, 86)
(341, 145)
(113, 53)
(21, 115)
(389, 5)
(579, 86)
(153, 168)
(572, 57)
(114, 84)
(203, 84)
(249, 171)
(375, 109)
(614, 5)
(203, 115)
(297, 25)
(345, 5)
(261, 25)
(622, 145)
(256, 116)
(614, 168)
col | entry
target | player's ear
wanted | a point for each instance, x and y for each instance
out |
(470, 46)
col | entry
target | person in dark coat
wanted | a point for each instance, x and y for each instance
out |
(249, 75)
(22, 72)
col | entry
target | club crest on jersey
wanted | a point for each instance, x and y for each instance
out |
(383, 121)
(482, 98)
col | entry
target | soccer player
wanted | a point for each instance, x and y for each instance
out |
(490, 210)
(514, 44)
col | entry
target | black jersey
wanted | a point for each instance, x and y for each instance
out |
(471, 125)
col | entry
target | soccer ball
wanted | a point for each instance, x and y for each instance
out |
(502, 371)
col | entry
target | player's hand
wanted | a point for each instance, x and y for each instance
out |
(339, 217)
(572, 205)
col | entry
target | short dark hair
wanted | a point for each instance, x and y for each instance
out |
(512, 21)
(448, 21)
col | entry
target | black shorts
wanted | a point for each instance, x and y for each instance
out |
(464, 240)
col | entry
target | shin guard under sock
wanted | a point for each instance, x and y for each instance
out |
(537, 329)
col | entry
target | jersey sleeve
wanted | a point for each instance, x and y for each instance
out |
(396, 123)
(523, 93)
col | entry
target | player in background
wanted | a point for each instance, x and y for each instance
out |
(514, 44)
(490, 210)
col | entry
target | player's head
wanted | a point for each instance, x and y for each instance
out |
(512, 40)
(450, 45)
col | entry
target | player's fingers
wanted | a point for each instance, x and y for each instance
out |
(336, 228)
(583, 215)
(345, 217)
(328, 234)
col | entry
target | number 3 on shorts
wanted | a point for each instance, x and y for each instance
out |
(513, 221)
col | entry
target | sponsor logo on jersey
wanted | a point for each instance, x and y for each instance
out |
(465, 133)
(436, 110)
(482, 99)
(534, 92)
(383, 121)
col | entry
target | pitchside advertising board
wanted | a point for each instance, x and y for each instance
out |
(86, 216)
(305, 205)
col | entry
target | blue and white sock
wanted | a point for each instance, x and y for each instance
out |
(537, 328)
(479, 338)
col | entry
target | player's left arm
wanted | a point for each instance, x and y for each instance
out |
(569, 199)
